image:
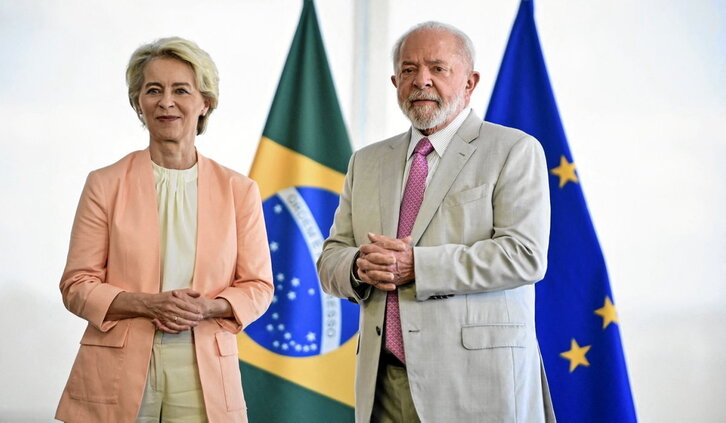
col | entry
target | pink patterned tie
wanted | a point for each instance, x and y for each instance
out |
(412, 198)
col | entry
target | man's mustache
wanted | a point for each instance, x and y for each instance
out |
(420, 95)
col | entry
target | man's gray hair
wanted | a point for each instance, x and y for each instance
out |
(466, 47)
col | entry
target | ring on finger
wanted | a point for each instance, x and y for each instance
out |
(176, 318)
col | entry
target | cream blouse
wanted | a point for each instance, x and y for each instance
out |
(176, 196)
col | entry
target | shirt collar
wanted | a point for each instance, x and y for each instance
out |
(439, 140)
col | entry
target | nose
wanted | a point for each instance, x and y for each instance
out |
(423, 78)
(167, 100)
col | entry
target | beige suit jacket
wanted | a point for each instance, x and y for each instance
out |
(480, 243)
(115, 247)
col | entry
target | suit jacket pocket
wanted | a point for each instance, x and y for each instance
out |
(467, 195)
(231, 377)
(97, 370)
(493, 335)
(464, 217)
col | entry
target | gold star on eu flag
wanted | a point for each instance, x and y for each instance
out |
(608, 313)
(566, 171)
(576, 355)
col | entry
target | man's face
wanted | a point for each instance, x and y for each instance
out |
(433, 80)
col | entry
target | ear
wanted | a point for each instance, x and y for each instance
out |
(205, 109)
(472, 81)
(394, 81)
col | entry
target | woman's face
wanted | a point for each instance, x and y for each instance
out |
(170, 101)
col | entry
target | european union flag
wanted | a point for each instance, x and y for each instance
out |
(577, 322)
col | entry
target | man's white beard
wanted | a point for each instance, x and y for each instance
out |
(423, 118)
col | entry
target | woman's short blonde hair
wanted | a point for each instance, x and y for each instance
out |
(205, 71)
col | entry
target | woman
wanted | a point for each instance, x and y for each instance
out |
(168, 260)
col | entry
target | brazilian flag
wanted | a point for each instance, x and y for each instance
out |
(298, 359)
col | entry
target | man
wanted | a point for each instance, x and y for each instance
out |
(440, 234)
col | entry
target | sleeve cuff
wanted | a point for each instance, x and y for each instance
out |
(97, 304)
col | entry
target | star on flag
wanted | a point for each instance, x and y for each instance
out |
(566, 172)
(608, 313)
(576, 355)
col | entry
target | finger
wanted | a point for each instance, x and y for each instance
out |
(364, 277)
(380, 275)
(164, 327)
(184, 296)
(375, 238)
(180, 312)
(188, 291)
(384, 286)
(393, 244)
(378, 259)
(194, 317)
(366, 249)
(389, 243)
(181, 323)
(180, 317)
(365, 265)
(188, 319)
(186, 304)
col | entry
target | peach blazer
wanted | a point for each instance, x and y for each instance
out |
(115, 247)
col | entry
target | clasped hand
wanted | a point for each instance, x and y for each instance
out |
(178, 310)
(386, 262)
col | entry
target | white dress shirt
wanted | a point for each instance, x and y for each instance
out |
(439, 140)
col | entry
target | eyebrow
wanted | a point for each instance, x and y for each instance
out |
(427, 62)
(175, 84)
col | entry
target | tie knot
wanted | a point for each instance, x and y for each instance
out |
(424, 147)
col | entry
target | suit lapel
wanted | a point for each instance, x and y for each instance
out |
(391, 179)
(457, 154)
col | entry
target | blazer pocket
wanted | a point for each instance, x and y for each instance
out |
(494, 335)
(96, 373)
(229, 365)
(467, 196)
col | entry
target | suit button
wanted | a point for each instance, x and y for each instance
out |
(378, 330)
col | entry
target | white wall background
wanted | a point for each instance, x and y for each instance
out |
(641, 88)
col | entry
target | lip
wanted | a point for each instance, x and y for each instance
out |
(167, 118)
(423, 101)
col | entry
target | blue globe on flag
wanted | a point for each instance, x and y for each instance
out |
(302, 320)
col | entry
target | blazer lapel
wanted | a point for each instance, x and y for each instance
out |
(457, 154)
(390, 182)
(144, 219)
(205, 213)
